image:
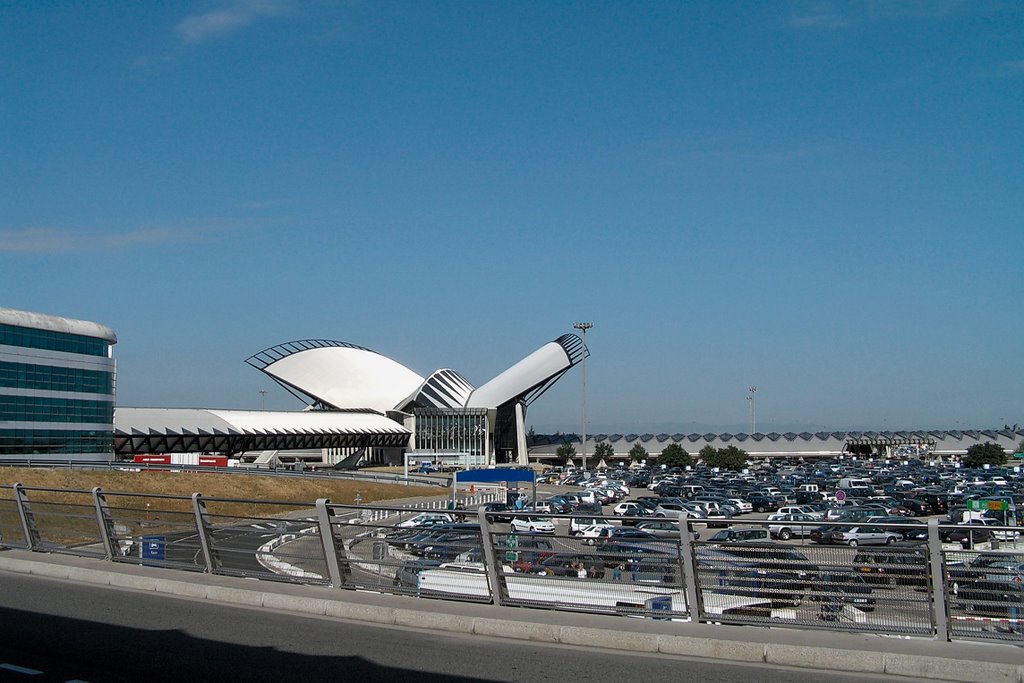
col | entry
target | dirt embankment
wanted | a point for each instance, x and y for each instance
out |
(235, 486)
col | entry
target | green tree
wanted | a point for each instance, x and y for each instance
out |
(565, 453)
(708, 451)
(985, 454)
(728, 458)
(603, 451)
(674, 455)
(638, 453)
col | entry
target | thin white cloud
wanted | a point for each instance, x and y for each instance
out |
(227, 20)
(817, 15)
(62, 240)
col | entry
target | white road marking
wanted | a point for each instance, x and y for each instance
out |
(20, 669)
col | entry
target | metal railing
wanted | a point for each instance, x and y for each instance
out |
(908, 579)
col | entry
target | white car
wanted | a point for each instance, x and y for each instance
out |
(426, 519)
(630, 509)
(592, 532)
(800, 510)
(533, 525)
(742, 505)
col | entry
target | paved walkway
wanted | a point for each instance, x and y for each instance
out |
(875, 654)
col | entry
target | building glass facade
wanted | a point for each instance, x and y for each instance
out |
(57, 387)
(462, 430)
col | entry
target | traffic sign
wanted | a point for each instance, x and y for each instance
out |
(987, 505)
(841, 496)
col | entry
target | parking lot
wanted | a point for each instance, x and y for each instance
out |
(828, 545)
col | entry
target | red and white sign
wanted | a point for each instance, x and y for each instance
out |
(153, 459)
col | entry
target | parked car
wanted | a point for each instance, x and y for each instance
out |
(533, 525)
(619, 533)
(919, 532)
(588, 532)
(966, 533)
(992, 566)
(784, 527)
(762, 503)
(893, 566)
(919, 507)
(826, 534)
(425, 519)
(664, 529)
(838, 587)
(1003, 600)
(740, 535)
(407, 575)
(499, 510)
(630, 509)
(865, 535)
(565, 564)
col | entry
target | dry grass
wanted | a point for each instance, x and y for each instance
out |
(271, 488)
(66, 515)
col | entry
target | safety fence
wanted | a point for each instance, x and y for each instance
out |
(908, 578)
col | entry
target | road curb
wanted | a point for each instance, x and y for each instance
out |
(721, 649)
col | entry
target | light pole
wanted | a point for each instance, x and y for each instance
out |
(753, 418)
(263, 399)
(583, 327)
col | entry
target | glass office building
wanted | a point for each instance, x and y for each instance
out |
(57, 385)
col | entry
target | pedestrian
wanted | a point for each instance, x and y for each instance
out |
(617, 572)
(582, 571)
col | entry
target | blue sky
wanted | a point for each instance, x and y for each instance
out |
(822, 199)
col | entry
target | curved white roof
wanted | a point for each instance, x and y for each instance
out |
(53, 323)
(541, 366)
(346, 377)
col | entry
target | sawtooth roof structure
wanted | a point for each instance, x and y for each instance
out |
(788, 444)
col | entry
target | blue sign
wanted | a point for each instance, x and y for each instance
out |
(153, 548)
(660, 604)
(498, 474)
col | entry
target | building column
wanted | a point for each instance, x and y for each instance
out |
(523, 458)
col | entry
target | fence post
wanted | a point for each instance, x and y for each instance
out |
(204, 532)
(689, 569)
(937, 582)
(28, 520)
(324, 516)
(103, 521)
(490, 559)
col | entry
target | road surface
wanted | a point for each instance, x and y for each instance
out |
(60, 631)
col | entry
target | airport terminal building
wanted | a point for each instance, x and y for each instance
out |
(57, 395)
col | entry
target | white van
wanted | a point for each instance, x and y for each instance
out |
(854, 483)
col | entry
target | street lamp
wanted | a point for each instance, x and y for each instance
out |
(753, 418)
(583, 327)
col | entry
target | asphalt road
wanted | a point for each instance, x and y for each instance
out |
(60, 631)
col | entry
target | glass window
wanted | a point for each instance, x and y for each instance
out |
(48, 378)
(10, 335)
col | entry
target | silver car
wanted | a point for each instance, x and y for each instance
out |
(865, 535)
(784, 527)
